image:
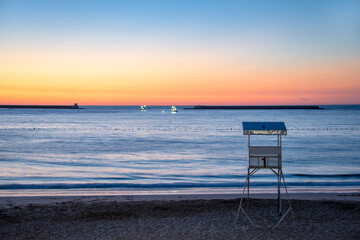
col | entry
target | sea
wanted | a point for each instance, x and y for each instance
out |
(121, 150)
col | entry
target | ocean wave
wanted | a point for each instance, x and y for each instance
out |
(172, 185)
(351, 175)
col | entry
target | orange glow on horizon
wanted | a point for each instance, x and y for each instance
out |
(173, 81)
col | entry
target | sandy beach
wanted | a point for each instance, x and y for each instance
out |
(317, 216)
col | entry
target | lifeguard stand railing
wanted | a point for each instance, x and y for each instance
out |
(264, 157)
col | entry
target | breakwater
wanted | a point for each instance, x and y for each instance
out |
(287, 107)
(75, 106)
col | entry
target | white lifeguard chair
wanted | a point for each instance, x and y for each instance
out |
(264, 157)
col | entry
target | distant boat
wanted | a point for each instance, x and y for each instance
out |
(143, 108)
(173, 109)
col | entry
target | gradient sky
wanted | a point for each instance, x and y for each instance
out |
(179, 52)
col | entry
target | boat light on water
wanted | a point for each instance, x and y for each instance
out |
(143, 108)
(173, 109)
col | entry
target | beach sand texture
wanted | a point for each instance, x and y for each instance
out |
(106, 218)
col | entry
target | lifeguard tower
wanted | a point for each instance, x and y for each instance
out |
(264, 157)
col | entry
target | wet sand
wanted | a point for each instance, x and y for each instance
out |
(324, 216)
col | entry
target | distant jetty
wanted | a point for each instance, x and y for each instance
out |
(200, 107)
(75, 106)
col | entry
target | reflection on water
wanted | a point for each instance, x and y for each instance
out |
(124, 148)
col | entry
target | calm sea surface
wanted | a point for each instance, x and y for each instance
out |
(122, 150)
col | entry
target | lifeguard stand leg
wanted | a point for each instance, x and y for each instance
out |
(248, 192)
(279, 178)
(290, 208)
(287, 195)
(279, 193)
(248, 179)
(240, 205)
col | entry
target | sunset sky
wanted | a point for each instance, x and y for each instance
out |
(186, 52)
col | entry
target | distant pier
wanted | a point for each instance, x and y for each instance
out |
(75, 106)
(200, 107)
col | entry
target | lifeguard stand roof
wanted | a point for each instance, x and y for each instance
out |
(264, 128)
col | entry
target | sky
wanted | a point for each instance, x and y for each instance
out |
(135, 52)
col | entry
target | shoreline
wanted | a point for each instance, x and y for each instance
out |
(46, 200)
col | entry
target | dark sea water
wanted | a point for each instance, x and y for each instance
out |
(122, 150)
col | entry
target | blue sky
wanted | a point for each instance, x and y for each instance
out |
(334, 23)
